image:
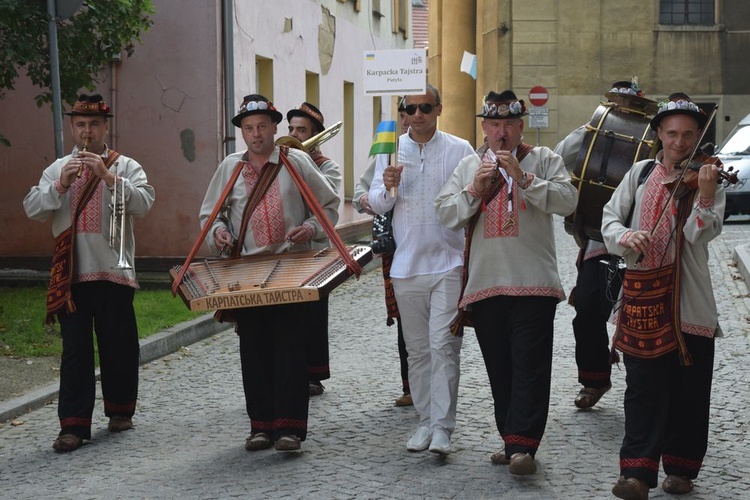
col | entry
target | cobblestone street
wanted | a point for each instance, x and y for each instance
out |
(191, 425)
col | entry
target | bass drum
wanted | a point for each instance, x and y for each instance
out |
(615, 138)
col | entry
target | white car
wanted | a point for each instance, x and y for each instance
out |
(734, 154)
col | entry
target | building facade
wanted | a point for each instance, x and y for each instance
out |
(173, 99)
(577, 48)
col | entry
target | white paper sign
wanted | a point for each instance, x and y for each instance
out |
(395, 72)
(539, 117)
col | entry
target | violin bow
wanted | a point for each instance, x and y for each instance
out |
(682, 174)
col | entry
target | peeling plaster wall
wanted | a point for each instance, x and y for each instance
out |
(167, 116)
(326, 38)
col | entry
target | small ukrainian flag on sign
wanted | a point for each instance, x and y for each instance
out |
(385, 138)
(370, 56)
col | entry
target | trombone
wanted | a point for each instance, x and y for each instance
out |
(117, 223)
(313, 142)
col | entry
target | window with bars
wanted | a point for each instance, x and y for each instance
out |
(687, 12)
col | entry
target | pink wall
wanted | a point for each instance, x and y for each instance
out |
(168, 92)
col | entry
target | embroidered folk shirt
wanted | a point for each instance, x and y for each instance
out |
(697, 303)
(95, 259)
(518, 257)
(423, 245)
(281, 209)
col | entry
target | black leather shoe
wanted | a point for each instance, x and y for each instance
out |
(316, 388)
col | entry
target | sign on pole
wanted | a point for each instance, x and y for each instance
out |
(395, 72)
(538, 96)
(539, 117)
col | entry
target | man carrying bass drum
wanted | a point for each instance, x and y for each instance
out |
(598, 281)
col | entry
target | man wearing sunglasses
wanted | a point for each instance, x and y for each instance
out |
(506, 200)
(426, 269)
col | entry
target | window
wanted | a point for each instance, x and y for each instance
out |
(690, 12)
(264, 76)
(401, 17)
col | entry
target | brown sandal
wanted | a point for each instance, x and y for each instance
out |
(67, 442)
(258, 441)
(589, 396)
(499, 458)
(677, 485)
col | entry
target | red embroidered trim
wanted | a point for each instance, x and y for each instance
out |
(75, 422)
(498, 221)
(59, 187)
(105, 276)
(261, 425)
(515, 291)
(701, 331)
(119, 408)
(594, 375)
(320, 369)
(529, 179)
(639, 463)
(623, 240)
(706, 203)
(518, 440)
(89, 221)
(682, 462)
(267, 220)
(595, 253)
(472, 191)
(289, 423)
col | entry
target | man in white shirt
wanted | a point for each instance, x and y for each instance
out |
(426, 270)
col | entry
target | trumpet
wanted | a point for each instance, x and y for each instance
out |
(117, 220)
(84, 147)
(313, 142)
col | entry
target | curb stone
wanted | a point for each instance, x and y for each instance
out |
(742, 257)
(152, 348)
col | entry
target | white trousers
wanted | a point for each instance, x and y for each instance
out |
(427, 305)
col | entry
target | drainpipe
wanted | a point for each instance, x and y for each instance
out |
(228, 39)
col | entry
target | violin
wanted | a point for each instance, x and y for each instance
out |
(684, 178)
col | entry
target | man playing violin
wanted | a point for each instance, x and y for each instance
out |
(666, 317)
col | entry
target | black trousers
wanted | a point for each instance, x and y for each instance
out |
(667, 412)
(594, 296)
(274, 373)
(317, 354)
(104, 308)
(515, 335)
(403, 357)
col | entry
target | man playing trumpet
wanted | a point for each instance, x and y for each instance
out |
(89, 291)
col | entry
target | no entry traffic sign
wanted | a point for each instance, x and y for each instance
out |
(538, 96)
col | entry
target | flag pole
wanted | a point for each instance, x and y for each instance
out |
(394, 189)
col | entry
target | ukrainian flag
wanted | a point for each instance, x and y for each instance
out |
(385, 138)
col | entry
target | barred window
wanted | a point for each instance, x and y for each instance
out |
(691, 12)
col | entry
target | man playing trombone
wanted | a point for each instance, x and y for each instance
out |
(92, 280)
(306, 122)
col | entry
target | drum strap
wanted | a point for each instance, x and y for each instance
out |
(610, 138)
